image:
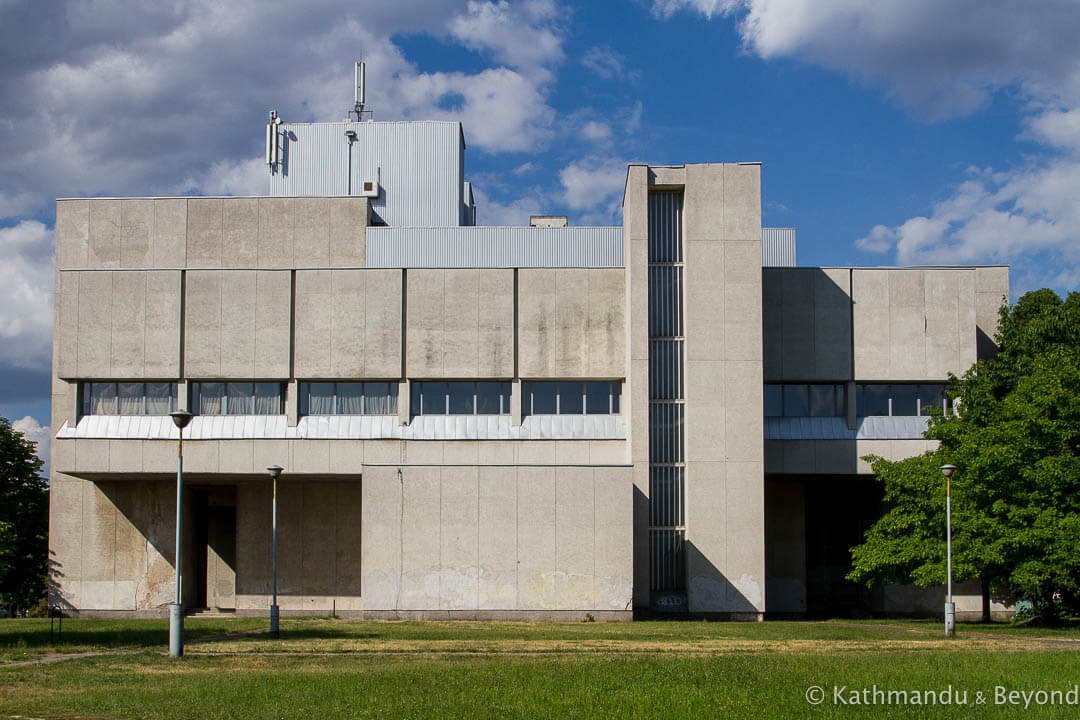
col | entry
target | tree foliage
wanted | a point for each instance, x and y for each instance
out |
(1016, 493)
(24, 521)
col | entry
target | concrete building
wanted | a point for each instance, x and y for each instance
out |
(539, 421)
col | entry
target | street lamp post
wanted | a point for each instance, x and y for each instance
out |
(181, 419)
(950, 607)
(275, 473)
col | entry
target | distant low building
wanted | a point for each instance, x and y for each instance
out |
(504, 422)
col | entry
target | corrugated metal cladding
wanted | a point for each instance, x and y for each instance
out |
(420, 167)
(494, 247)
(777, 247)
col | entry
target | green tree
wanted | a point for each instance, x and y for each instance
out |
(1016, 494)
(24, 521)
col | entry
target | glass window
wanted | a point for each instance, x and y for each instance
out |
(240, 398)
(380, 398)
(904, 399)
(128, 398)
(489, 398)
(210, 398)
(433, 398)
(102, 399)
(131, 398)
(774, 400)
(268, 399)
(350, 398)
(873, 400)
(571, 398)
(236, 398)
(461, 398)
(826, 400)
(320, 399)
(598, 398)
(796, 401)
(931, 396)
(160, 398)
(544, 398)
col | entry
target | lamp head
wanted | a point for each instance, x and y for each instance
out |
(275, 471)
(948, 470)
(180, 418)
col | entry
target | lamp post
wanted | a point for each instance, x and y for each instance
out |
(275, 473)
(181, 419)
(950, 607)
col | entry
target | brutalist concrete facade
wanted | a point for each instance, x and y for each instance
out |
(516, 513)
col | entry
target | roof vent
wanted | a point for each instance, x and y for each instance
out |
(547, 221)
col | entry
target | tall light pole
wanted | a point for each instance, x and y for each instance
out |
(181, 419)
(275, 473)
(950, 607)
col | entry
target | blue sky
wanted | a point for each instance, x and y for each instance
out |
(891, 133)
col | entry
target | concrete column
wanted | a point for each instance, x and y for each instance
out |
(404, 402)
(292, 402)
(183, 395)
(516, 388)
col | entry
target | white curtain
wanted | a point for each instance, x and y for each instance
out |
(350, 398)
(102, 398)
(241, 398)
(210, 397)
(267, 399)
(159, 397)
(380, 398)
(321, 398)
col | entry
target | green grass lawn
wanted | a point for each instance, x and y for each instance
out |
(339, 669)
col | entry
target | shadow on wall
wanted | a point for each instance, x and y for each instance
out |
(710, 593)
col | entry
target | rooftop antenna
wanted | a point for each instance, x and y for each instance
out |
(358, 90)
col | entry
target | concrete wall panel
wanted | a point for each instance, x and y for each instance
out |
(95, 325)
(497, 550)
(240, 233)
(276, 233)
(136, 226)
(103, 250)
(72, 233)
(205, 219)
(347, 231)
(169, 237)
(915, 323)
(311, 231)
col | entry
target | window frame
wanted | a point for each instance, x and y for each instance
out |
(416, 397)
(614, 395)
(84, 391)
(304, 401)
(195, 393)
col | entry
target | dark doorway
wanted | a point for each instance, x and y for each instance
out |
(839, 510)
(214, 576)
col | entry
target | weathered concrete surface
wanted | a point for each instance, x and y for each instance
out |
(496, 538)
(571, 323)
(460, 324)
(348, 324)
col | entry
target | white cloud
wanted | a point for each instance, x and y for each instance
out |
(594, 184)
(595, 131)
(231, 177)
(604, 61)
(26, 286)
(515, 213)
(522, 35)
(33, 431)
(940, 60)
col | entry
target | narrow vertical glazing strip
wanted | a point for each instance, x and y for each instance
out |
(667, 561)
